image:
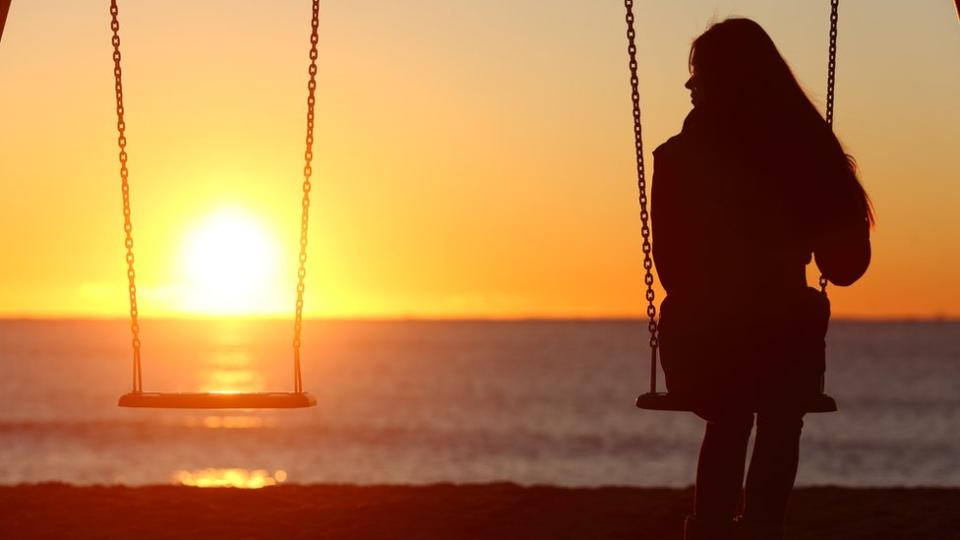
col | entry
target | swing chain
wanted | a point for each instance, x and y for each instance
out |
(832, 61)
(305, 203)
(642, 189)
(831, 81)
(125, 190)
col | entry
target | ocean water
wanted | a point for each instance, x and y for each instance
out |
(531, 402)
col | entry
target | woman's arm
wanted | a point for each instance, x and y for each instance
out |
(842, 237)
(843, 252)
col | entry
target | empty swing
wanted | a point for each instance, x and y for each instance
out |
(212, 400)
(665, 401)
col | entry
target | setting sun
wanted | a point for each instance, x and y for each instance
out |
(229, 265)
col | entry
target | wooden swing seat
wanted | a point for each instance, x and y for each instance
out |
(664, 401)
(215, 400)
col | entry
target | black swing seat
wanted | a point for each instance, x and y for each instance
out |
(215, 400)
(664, 401)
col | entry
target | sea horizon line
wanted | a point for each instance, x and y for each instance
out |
(946, 319)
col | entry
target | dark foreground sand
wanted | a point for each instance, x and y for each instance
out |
(501, 511)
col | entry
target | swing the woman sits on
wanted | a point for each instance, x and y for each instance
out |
(726, 227)
(753, 188)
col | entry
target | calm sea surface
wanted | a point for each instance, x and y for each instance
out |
(421, 402)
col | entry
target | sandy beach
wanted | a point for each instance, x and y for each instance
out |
(444, 512)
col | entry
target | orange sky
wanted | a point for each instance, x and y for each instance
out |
(473, 159)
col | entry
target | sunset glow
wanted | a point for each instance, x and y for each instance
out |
(228, 264)
(483, 177)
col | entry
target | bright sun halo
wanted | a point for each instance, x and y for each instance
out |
(229, 263)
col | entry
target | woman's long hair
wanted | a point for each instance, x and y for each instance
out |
(749, 86)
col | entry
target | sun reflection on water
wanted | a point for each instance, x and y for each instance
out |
(232, 373)
(227, 422)
(232, 422)
(235, 478)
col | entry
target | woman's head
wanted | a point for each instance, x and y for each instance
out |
(739, 79)
(735, 64)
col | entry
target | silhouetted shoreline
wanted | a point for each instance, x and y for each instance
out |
(445, 511)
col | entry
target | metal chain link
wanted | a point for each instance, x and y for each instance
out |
(305, 203)
(831, 82)
(642, 189)
(125, 190)
(832, 61)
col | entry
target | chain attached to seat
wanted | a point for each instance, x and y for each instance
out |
(125, 190)
(831, 81)
(305, 202)
(642, 189)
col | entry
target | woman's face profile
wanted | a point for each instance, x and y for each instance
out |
(695, 86)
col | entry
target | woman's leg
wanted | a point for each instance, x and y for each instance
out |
(773, 469)
(720, 469)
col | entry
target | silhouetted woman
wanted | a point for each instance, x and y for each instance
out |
(754, 184)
